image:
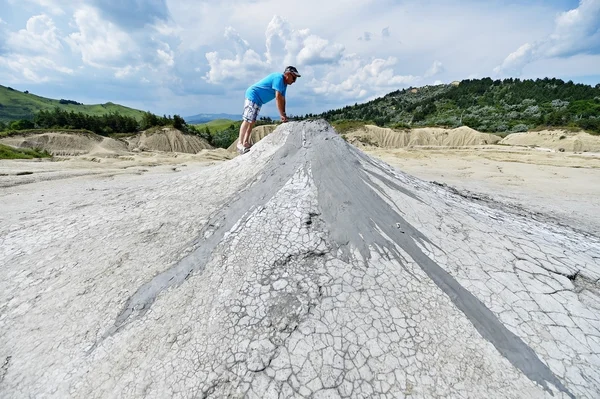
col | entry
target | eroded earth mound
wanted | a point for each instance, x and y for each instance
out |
(67, 144)
(420, 137)
(59, 143)
(168, 140)
(304, 268)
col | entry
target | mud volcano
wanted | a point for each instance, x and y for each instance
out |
(304, 268)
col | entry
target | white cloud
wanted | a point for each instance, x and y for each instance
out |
(285, 46)
(361, 80)
(3, 35)
(576, 31)
(167, 29)
(298, 47)
(104, 45)
(326, 68)
(166, 56)
(222, 69)
(435, 69)
(34, 53)
(39, 36)
(518, 59)
(53, 6)
(125, 72)
(35, 69)
(241, 45)
(101, 43)
(366, 36)
(228, 67)
(316, 50)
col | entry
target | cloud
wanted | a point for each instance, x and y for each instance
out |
(385, 32)
(285, 46)
(39, 36)
(35, 69)
(288, 46)
(366, 36)
(316, 50)
(34, 53)
(133, 13)
(361, 80)
(234, 67)
(435, 69)
(576, 31)
(3, 35)
(55, 7)
(326, 68)
(166, 55)
(101, 43)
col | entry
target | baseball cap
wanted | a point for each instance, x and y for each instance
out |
(293, 70)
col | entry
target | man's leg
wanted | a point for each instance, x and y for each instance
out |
(243, 128)
(248, 120)
(248, 132)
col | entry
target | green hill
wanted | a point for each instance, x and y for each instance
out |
(218, 125)
(15, 105)
(502, 106)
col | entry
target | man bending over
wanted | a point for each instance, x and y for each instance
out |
(271, 87)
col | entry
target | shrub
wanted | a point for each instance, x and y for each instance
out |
(519, 128)
(343, 126)
(7, 152)
(21, 124)
(400, 125)
(225, 138)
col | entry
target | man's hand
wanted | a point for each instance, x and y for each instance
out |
(284, 118)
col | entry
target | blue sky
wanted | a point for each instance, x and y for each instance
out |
(199, 56)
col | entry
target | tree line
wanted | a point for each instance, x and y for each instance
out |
(99, 124)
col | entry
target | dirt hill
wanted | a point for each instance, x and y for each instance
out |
(72, 144)
(389, 138)
(167, 139)
(258, 133)
(66, 143)
(555, 140)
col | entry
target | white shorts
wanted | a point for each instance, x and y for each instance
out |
(251, 110)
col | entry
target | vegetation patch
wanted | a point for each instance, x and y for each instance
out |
(492, 106)
(348, 125)
(7, 152)
(17, 105)
(41, 131)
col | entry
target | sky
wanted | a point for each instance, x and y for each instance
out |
(190, 57)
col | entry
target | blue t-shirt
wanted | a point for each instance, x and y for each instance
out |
(264, 91)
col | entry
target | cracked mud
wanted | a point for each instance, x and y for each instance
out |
(304, 268)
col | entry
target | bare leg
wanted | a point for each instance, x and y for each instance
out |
(242, 135)
(246, 134)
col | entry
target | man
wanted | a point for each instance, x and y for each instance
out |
(272, 87)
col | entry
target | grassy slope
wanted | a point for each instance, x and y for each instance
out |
(7, 152)
(218, 125)
(16, 105)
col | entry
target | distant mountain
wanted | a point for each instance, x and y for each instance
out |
(15, 105)
(203, 118)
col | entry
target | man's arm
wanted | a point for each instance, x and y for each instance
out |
(280, 99)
